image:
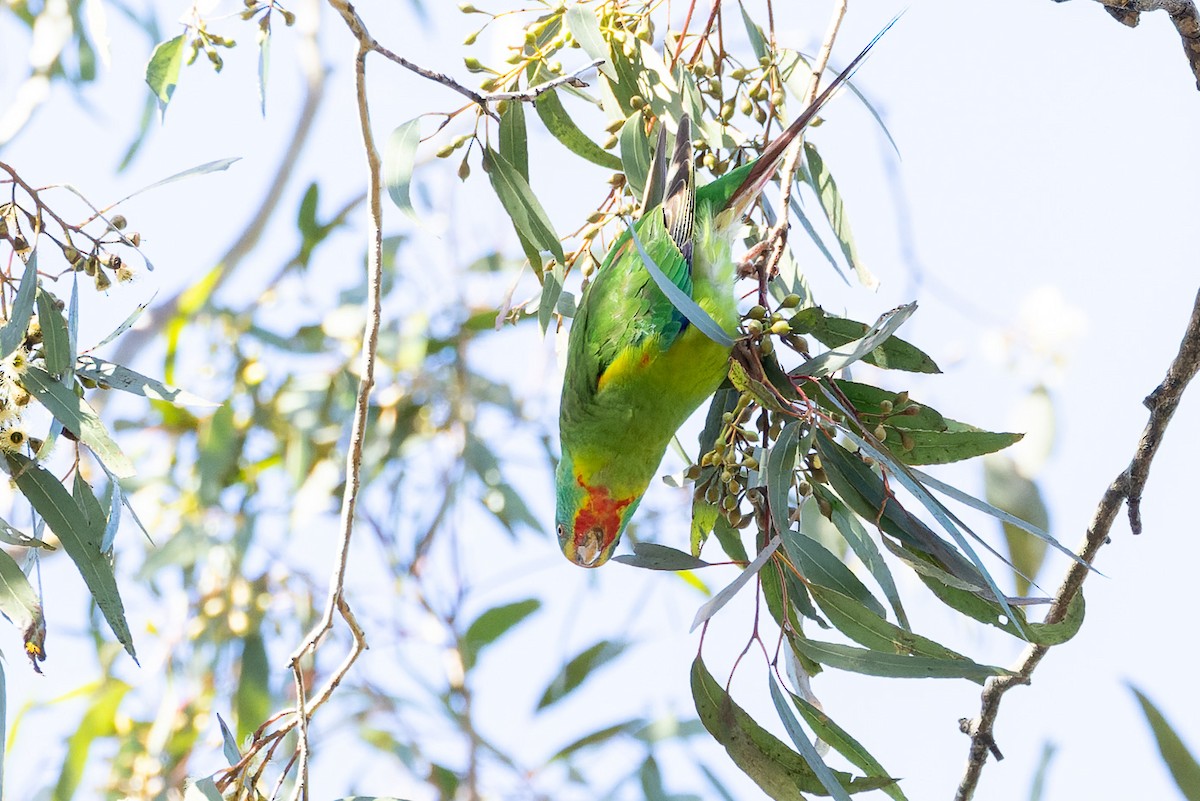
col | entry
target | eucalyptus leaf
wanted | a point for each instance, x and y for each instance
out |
(80, 418)
(845, 355)
(399, 162)
(578, 669)
(492, 625)
(653, 556)
(901, 666)
(841, 741)
(714, 604)
(585, 27)
(80, 533)
(1185, 770)
(115, 376)
(162, 71)
(12, 334)
(559, 123)
(805, 746)
(56, 341)
(20, 604)
(526, 213)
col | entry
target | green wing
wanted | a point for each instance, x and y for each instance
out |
(623, 310)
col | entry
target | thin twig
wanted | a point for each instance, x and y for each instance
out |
(1126, 488)
(1184, 17)
(534, 92)
(787, 172)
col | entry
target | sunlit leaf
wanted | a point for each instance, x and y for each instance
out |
(585, 27)
(514, 138)
(229, 748)
(634, 146)
(554, 116)
(12, 334)
(127, 323)
(114, 376)
(162, 71)
(527, 215)
(399, 161)
(98, 722)
(56, 345)
(80, 418)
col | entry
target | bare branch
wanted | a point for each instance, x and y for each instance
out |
(534, 92)
(1184, 17)
(1126, 488)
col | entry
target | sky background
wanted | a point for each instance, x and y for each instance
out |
(1042, 212)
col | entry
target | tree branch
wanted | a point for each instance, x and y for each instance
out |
(1184, 17)
(1126, 488)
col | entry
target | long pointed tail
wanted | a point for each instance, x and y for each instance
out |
(773, 153)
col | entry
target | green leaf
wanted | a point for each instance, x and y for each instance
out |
(97, 723)
(492, 625)
(220, 448)
(599, 737)
(1010, 491)
(585, 27)
(114, 376)
(780, 473)
(229, 746)
(399, 161)
(79, 523)
(652, 556)
(868, 401)
(835, 211)
(758, 41)
(219, 165)
(13, 332)
(514, 138)
(901, 666)
(841, 741)
(679, 299)
(821, 568)
(78, 417)
(778, 770)
(578, 669)
(126, 324)
(56, 345)
(527, 215)
(1182, 764)
(866, 627)
(805, 746)
(960, 441)
(552, 288)
(634, 146)
(1037, 787)
(866, 550)
(833, 332)
(714, 604)
(19, 603)
(847, 354)
(162, 71)
(252, 700)
(554, 116)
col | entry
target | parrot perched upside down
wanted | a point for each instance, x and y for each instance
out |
(636, 368)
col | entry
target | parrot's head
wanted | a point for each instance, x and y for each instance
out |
(588, 519)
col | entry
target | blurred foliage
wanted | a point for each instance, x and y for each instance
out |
(798, 475)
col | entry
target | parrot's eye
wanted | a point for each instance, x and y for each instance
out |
(562, 531)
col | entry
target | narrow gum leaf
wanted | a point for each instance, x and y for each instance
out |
(80, 418)
(585, 27)
(399, 161)
(80, 533)
(554, 116)
(805, 746)
(56, 345)
(517, 198)
(162, 71)
(13, 332)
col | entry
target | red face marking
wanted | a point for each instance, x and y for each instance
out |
(600, 510)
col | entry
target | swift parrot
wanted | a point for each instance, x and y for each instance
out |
(636, 367)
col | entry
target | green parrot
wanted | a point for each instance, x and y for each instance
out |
(636, 368)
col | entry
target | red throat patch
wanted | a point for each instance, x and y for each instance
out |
(599, 509)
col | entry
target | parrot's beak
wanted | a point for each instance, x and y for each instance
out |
(589, 548)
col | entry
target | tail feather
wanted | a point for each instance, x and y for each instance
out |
(773, 154)
(679, 203)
